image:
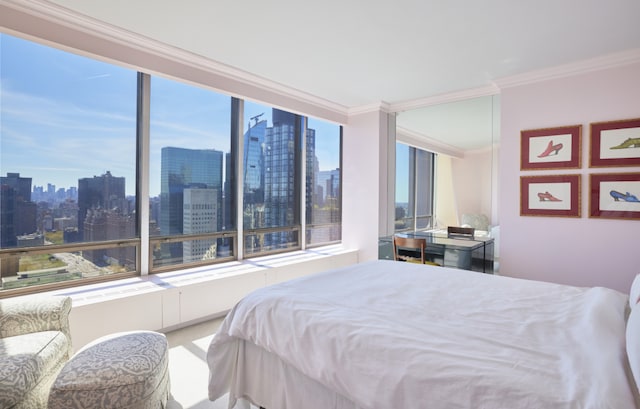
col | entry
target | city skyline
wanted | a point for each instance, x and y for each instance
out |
(67, 117)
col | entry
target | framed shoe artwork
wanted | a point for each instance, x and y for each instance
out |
(614, 195)
(554, 195)
(551, 148)
(615, 143)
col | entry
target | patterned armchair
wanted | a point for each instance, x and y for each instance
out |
(35, 343)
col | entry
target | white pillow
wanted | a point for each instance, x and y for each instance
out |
(633, 343)
(634, 292)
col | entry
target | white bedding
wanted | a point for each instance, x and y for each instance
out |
(386, 334)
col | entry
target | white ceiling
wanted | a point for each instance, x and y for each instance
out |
(360, 52)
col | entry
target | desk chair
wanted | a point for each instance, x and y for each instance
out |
(454, 232)
(412, 244)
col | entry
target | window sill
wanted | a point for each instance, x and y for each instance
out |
(175, 279)
(170, 300)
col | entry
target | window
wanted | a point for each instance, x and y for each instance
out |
(323, 183)
(414, 188)
(271, 159)
(67, 166)
(76, 138)
(190, 140)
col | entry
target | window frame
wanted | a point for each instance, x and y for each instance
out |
(143, 242)
(413, 188)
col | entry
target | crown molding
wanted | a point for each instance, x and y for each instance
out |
(445, 98)
(421, 141)
(61, 16)
(581, 67)
(375, 107)
(594, 64)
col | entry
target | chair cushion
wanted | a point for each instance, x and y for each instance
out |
(26, 359)
(115, 371)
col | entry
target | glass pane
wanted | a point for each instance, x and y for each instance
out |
(67, 150)
(37, 269)
(68, 146)
(190, 134)
(323, 193)
(268, 242)
(404, 204)
(192, 251)
(270, 173)
(424, 189)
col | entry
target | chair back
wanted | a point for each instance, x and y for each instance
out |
(419, 244)
(454, 232)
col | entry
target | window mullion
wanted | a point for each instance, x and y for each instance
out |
(237, 115)
(142, 180)
(303, 184)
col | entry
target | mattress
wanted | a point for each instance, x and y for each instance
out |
(387, 334)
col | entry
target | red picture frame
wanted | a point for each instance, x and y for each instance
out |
(614, 195)
(554, 195)
(615, 143)
(551, 148)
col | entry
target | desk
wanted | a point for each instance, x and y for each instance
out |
(468, 254)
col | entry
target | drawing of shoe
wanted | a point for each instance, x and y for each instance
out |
(547, 197)
(551, 148)
(628, 197)
(629, 143)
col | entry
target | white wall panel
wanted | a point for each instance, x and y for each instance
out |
(168, 301)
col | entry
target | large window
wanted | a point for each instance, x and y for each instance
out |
(271, 179)
(81, 140)
(67, 166)
(190, 134)
(323, 187)
(414, 188)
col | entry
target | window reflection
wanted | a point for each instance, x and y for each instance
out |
(414, 188)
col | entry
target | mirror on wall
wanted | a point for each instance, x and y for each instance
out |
(465, 137)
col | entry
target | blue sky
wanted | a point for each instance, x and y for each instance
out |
(402, 173)
(65, 117)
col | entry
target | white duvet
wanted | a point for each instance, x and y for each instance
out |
(391, 335)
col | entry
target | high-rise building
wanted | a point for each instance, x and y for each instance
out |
(21, 185)
(8, 205)
(329, 184)
(19, 213)
(327, 212)
(99, 192)
(186, 169)
(312, 168)
(228, 210)
(254, 173)
(281, 197)
(271, 165)
(200, 215)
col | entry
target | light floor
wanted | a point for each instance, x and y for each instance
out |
(188, 369)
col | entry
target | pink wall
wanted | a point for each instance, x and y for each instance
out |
(579, 251)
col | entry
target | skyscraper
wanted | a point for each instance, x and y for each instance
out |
(99, 192)
(200, 215)
(329, 185)
(254, 177)
(19, 213)
(312, 168)
(187, 169)
(272, 165)
(281, 164)
(253, 161)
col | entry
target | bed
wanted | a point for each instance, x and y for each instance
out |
(386, 334)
